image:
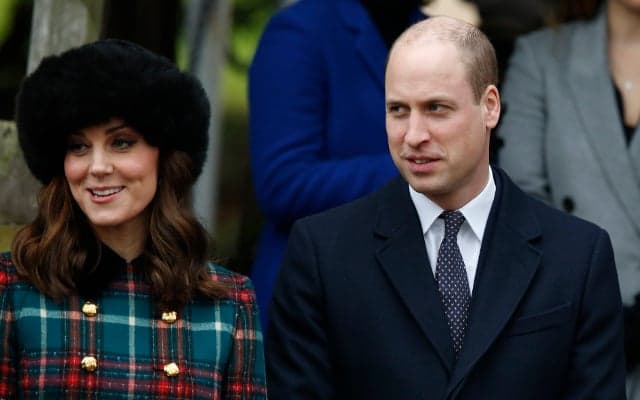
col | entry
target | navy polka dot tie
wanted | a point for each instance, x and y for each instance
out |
(451, 276)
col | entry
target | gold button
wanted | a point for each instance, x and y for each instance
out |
(89, 309)
(169, 317)
(89, 363)
(171, 369)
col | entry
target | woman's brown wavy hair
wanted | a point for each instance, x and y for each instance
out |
(52, 251)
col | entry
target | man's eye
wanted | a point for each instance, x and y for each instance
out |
(395, 109)
(436, 107)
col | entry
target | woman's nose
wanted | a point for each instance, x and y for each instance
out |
(100, 164)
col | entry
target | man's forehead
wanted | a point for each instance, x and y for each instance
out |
(430, 51)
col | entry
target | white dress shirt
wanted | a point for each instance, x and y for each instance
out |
(476, 214)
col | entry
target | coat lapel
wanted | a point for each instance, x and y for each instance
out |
(594, 97)
(508, 263)
(369, 44)
(404, 260)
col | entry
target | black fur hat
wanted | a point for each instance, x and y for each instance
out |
(98, 81)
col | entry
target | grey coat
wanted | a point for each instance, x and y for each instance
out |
(564, 140)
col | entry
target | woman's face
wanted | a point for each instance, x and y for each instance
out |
(112, 173)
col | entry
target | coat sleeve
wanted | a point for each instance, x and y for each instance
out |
(597, 368)
(298, 359)
(7, 339)
(523, 124)
(294, 174)
(245, 377)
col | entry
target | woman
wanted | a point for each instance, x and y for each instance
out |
(572, 95)
(107, 293)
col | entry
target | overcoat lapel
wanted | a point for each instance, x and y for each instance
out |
(369, 44)
(403, 258)
(594, 98)
(507, 264)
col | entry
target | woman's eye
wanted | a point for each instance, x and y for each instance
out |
(122, 144)
(76, 147)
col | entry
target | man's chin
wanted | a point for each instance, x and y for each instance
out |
(429, 189)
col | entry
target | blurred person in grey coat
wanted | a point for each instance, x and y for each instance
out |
(572, 94)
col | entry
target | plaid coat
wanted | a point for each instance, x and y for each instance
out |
(116, 346)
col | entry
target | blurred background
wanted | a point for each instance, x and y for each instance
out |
(216, 40)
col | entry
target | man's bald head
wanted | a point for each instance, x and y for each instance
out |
(476, 51)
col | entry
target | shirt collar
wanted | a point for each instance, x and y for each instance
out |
(476, 211)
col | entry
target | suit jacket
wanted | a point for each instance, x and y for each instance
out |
(317, 128)
(356, 313)
(563, 138)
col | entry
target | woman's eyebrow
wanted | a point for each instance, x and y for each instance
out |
(117, 127)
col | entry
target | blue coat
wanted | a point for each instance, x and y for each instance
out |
(357, 315)
(317, 119)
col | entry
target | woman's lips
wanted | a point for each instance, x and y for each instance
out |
(104, 194)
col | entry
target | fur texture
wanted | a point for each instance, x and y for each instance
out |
(110, 78)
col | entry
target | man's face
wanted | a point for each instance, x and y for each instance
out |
(438, 133)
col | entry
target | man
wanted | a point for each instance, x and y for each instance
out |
(456, 285)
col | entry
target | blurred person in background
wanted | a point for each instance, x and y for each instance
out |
(108, 292)
(316, 104)
(570, 135)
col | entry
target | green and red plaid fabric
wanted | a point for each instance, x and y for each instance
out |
(217, 345)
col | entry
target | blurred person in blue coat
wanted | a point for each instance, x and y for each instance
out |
(317, 128)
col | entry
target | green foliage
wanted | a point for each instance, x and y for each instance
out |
(249, 19)
(7, 12)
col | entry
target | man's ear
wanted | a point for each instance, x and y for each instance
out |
(491, 104)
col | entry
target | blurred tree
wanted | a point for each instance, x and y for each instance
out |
(239, 219)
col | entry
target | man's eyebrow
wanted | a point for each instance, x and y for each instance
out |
(394, 101)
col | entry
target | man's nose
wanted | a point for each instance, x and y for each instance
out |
(417, 130)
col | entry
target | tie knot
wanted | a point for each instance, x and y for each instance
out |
(453, 220)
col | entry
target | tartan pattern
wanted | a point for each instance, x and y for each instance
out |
(216, 344)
